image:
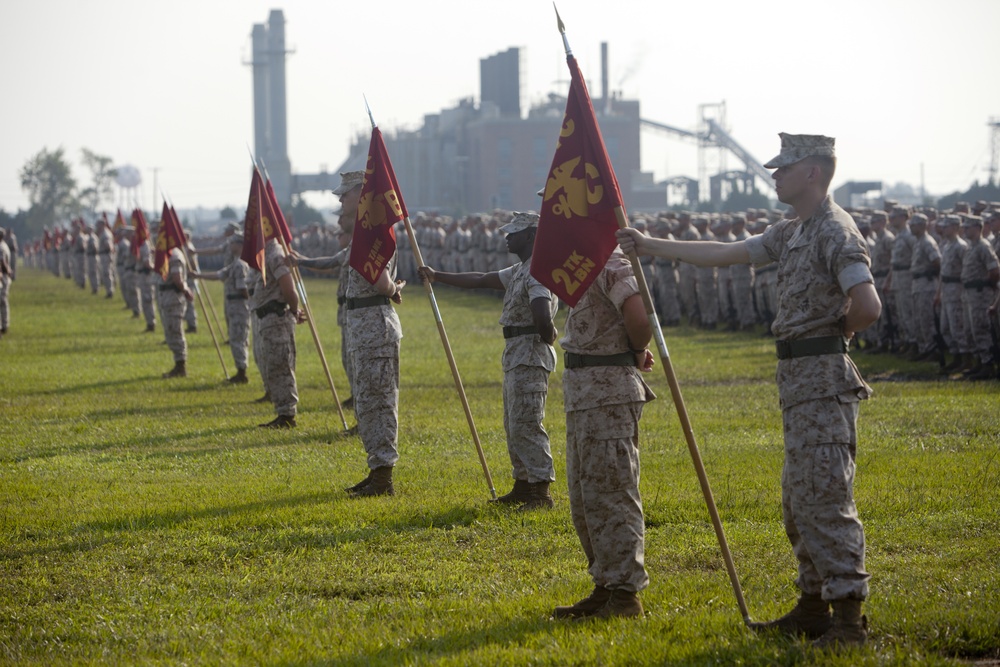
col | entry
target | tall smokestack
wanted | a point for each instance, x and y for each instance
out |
(605, 100)
(278, 164)
(260, 66)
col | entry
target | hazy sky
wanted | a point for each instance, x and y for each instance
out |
(900, 84)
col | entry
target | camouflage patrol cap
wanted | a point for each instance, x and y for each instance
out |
(348, 181)
(918, 219)
(972, 221)
(899, 211)
(949, 220)
(795, 147)
(519, 222)
(880, 216)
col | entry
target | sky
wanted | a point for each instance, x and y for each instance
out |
(906, 87)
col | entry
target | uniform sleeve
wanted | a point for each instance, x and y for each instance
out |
(621, 282)
(765, 248)
(506, 275)
(849, 261)
(536, 290)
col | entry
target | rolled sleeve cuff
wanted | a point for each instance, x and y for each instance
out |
(758, 253)
(854, 274)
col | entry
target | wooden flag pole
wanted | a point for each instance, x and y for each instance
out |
(444, 341)
(451, 359)
(297, 277)
(675, 392)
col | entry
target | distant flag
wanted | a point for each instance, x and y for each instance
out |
(380, 207)
(119, 221)
(47, 239)
(168, 237)
(577, 221)
(279, 217)
(141, 231)
(260, 225)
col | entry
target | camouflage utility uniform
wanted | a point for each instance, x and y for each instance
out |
(276, 329)
(374, 335)
(173, 305)
(819, 261)
(603, 405)
(527, 362)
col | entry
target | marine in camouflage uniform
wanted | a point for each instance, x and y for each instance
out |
(174, 298)
(605, 339)
(528, 359)
(339, 262)
(950, 293)
(275, 304)
(106, 256)
(147, 280)
(980, 274)
(826, 293)
(235, 277)
(881, 266)
(900, 281)
(373, 337)
(925, 266)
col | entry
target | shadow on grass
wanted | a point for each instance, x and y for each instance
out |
(76, 388)
(95, 534)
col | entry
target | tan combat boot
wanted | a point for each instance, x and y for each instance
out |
(850, 627)
(240, 377)
(178, 371)
(810, 617)
(621, 604)
(588, 606)
(538, 497)
(380, 484)
(519, 494)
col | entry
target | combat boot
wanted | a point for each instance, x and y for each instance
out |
(178, 371)
(970, 361)
(150, 328)
(266, 398)
(809, 617)
(360, 485)
(621, 604)
(348, 403)
(240, 377)
(380, 484)
(955, 364)
(519, 494)
(281, 421)
(985, 372)
(538, 497)
(849, 628)
(588, 606)
(974, 368)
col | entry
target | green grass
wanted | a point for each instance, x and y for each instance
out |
(145, 521)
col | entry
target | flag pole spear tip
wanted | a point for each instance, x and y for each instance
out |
(562, 30)
(369, 110)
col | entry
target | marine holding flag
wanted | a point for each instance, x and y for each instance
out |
(374, 329)
(146, 280)
(174, 291)
(607, 331)
(275, 305)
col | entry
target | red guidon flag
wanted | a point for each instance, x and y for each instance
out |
(381, 206)
(168, 237)
(141, 231)
(577, 222)
(260, 225)
(279, 217)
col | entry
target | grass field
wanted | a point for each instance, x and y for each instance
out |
(147, 521)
